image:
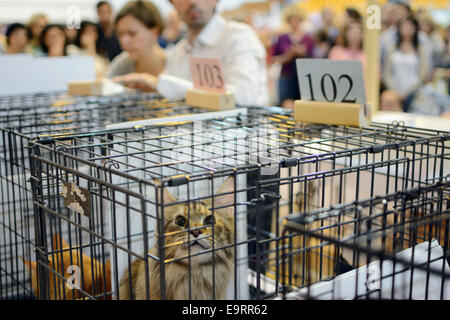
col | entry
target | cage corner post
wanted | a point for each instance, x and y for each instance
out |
(42, 275)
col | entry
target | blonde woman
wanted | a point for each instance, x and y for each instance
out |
(296, 43)
(35, 26)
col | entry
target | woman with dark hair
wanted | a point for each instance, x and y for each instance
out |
(53, 41)
(86, 43)
(87, 38)
(138, 26)
(350, 44)
(352, 15)
(16, 38)
(407, 65)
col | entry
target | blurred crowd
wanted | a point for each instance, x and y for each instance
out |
(414, 50)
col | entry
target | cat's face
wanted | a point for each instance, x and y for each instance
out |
(194, 230)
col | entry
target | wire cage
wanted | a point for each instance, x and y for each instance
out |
(397, 246)
(125, 174)
(23, 118)
(328, 166)
(153, 208)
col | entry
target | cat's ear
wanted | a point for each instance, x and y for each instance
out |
(167, 196)
(227, 189)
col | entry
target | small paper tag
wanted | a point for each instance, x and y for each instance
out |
(77, 198)
(207, 74)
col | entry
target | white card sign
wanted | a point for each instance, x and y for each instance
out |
(24, 74)
(331, 80)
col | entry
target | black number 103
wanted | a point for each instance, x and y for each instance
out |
(209, 76)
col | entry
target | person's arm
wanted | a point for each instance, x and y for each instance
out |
(425, 65)
(284, 57)
(387, 69)
(141, 81)
(424, 71)
(244, 69)
(121, 65)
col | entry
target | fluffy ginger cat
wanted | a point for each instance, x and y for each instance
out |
(57, 288)
(199, 227)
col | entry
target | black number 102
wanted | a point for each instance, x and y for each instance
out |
(331, 97)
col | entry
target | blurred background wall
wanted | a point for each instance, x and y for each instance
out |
(21, 10)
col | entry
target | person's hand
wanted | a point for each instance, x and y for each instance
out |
(402, 97)
(288, 104)
(298, 50)
(141, 81)
(390, 101)
(446, 115)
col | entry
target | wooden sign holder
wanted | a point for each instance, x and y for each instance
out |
(99, 87)
(349, 114)
(87, 88)
(210, 100)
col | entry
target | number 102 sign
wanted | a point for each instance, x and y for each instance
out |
(331, 80)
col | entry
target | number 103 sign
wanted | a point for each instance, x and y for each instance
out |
(207, 74)
(331, 80)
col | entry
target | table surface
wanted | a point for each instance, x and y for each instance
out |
(413, 120)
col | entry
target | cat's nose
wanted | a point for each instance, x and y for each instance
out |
(196, 233)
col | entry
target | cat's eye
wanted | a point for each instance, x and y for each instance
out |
(181, 221)
(209, 220)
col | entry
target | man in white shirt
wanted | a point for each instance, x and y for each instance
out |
(209, 35)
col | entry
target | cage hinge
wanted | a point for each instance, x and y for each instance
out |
(412, 194)
(301, 219)
(289, 162)
(178, 181)
(376, 148)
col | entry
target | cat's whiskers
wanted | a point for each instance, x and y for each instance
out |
(174, 244)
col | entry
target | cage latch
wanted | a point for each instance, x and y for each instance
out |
(265, 195)
(412, 194)
(270, 194)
